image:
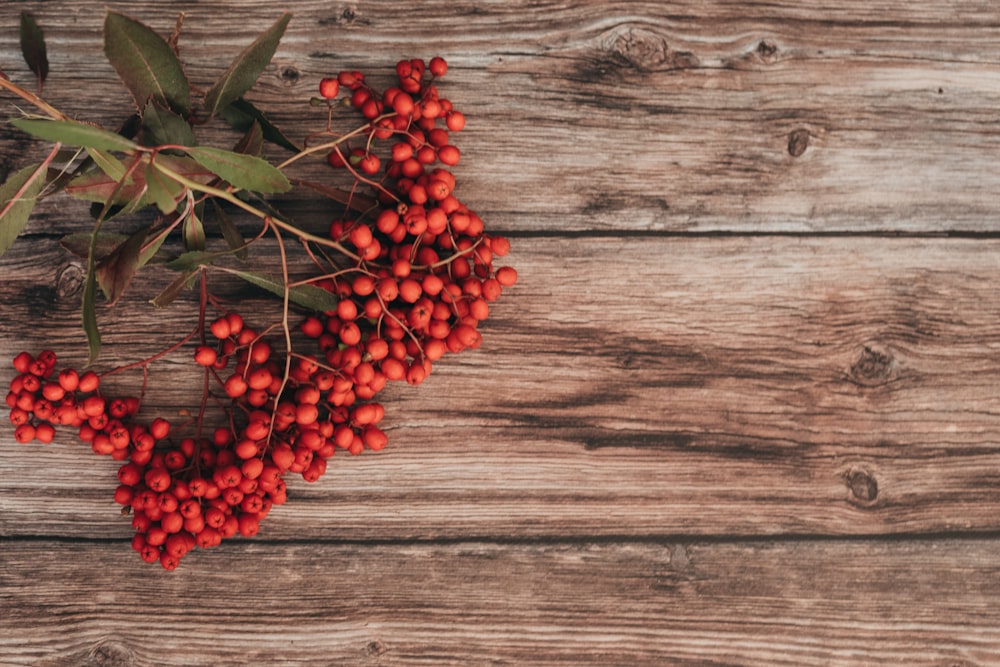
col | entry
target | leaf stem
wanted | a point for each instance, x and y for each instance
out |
(42, 168)
(228, 196)
(34, 99)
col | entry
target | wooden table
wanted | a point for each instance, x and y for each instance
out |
(741, 407)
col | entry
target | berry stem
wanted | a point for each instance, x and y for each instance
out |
(159, 355)
(205, 384)
(286, 329)
(328, 146)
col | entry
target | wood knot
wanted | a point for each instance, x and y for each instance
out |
(289, 73)
(639, 48)
(376, 647)
(110, 654)
(767, 51)
(874, 366)
(798, 142)
(348, 16)
(863, 487)
(69, 282)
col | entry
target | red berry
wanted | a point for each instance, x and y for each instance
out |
(93, 406)
(350, 79)
(506, 276)
(438, 66)
(22, 362)
(401, 152)
(260, 379)
(312, 327)
(246, 449)
(157, 479)
(235, 323)
(369, 164)
(252, 467)
(89, 382)
(249, 524)
(53, 391)
(220, 328)
(455, 120)
(24, 433)
(361, 236)
(432, 109)
(449, 155)
(205, 356)
(69, 379)
(282, 456)
(235, 386)
(159, 428)
(410, 290)
(306, 414)
(329, 87)
(350, 333)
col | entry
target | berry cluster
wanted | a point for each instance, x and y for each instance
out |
(413, 281)
(424, 275)
(195, 491)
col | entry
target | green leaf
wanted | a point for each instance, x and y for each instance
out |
(352, 200)
(33, 47)
(115, 272)
(241, 115)
(244, 70)
(119, 207)
(108, 163)
(73, 133)
(17, 200)
(186, 167)
(152, 250)
(146, 64)
(88, 312)
(307, 296)
(192, 260)
(193, 231)
(252, 141)
(162, 191)
(174, 289)
(230, 233)
(104, 242)
(99, 187)
(246, 172)
(161, 126)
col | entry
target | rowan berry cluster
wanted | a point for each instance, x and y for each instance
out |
(413, 280)
(424, 276)
(196, 491)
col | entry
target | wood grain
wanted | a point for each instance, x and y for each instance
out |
(823, 603)
(644, 386)
(740, 409)
(638, 116)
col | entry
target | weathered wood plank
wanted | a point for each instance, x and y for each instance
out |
(673, 448)
(632, 115)
(824, 603)
(645, 386)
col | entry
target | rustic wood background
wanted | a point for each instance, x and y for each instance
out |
(741, 408)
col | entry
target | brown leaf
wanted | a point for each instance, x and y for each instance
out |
(115, 272)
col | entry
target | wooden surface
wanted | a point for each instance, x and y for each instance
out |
(741, 408)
